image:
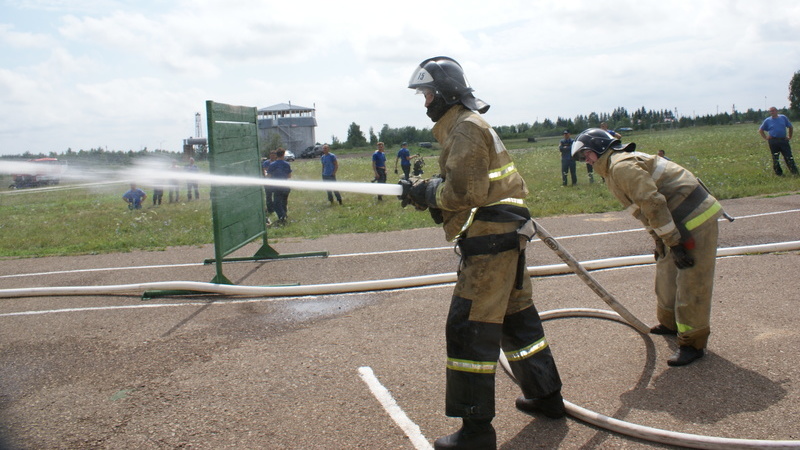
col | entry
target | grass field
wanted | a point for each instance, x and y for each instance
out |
(732, 161)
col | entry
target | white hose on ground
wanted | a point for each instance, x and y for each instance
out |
(587, 278)
(640, 431)
(609, 423)
(359, 286)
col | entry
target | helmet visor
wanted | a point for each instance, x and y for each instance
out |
(420, 78)
(579, 151)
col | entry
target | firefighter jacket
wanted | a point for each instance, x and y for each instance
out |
(476, 168)
(664, 196)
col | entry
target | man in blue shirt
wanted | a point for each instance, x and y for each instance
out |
(330, 165)
(774, 131)
(379, 166)
(134, 197)
(405, 160)
(280, 170)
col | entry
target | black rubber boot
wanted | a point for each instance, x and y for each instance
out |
(661, 329)
(685, 355)
(551, 406)
(473, 435)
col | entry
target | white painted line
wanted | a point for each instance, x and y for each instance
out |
(101, 269)
(788, 211)
(395, 412)
(383, 252)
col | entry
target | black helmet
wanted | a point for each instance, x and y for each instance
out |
(598, 141)
(445, 77)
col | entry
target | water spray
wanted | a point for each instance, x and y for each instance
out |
(151, 172)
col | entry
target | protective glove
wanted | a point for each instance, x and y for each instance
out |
(660, 249)
(418, 194)
(436, 215)
(407, 198)
(681, 257)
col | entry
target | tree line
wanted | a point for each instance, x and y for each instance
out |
(640, 119)
(98, 156)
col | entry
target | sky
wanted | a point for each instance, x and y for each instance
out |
(127, 75)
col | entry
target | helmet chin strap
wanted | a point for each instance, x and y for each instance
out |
(438, 107)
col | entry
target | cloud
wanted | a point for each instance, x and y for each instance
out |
(125, 74)
(11, 39)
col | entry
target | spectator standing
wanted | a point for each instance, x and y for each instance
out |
(134, 197)
(158, 194)
(281, 170)
(404, 156)
(330, 165)
(379, 166)
(567, 163)
(191, 185)
(777, 131)
(174, 190)
(269, 191)
(604, 127)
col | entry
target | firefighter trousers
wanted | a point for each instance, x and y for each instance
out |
(684, 296)
(487, 314)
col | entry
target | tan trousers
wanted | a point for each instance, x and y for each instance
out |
(487, 313)
(488, 280)
(684, 296)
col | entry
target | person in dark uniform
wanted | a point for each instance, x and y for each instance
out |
(567, 163)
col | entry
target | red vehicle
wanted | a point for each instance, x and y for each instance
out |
(50, 174)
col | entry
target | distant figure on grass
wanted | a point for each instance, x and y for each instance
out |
(567, 163)
(158, 193)
(330, 165)
(174, 190)
(404, 156)
(663, 154)
(191, 185)
(281, 170)
(134, 197)
(269, 190)
(379, 166)
(774, 131)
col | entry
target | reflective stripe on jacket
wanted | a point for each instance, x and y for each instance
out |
(652, 188)
(476, 168)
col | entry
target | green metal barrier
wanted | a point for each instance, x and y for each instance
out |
(237, 211)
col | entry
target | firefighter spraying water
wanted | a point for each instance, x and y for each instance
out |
(479, 198)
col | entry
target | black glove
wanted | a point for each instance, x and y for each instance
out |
(407, 197)
(660, 250)
(681, 257)
(418, 194)
(436, 215)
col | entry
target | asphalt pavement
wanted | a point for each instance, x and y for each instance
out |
(317, 371)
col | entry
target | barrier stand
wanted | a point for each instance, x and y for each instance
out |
(237, 210)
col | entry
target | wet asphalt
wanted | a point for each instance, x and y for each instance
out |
(216, 371)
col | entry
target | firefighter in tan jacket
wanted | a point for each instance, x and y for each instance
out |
(479, 198)
(682, 218)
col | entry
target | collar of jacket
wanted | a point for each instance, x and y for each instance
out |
(442, 128)
(601, 165)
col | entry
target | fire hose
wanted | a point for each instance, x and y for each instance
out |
(622, 314)
(583, 414)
